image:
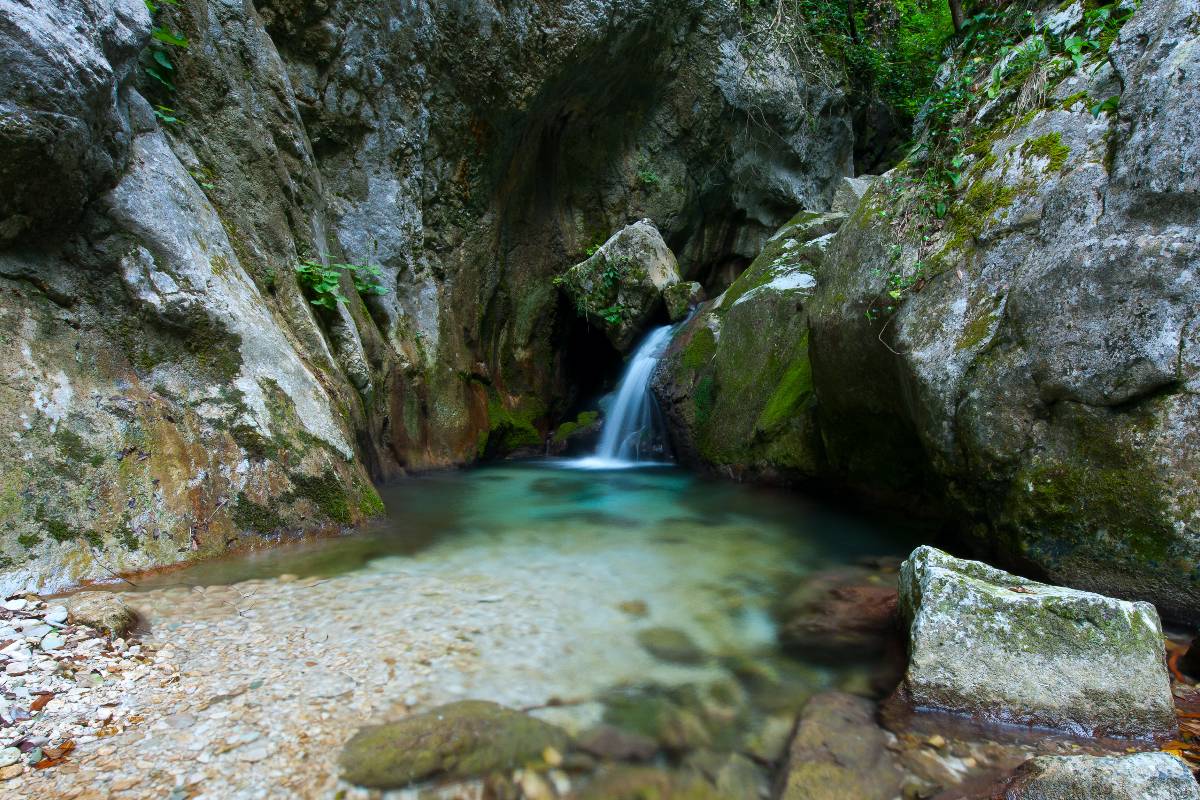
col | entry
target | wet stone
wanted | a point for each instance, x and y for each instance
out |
(461, 740)
(671, 644)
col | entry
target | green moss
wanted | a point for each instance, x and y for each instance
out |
(29, 540)
(985, 197)
(1050, 147)
(567, 429)
(511, 428)
(75, 449)
(1068, 103)
(370, 504)
(704, 399)
(253, 443)
(976, 330)
(792, 394)
(251, 516)
(126, 537)
(700, 349)
(326, 492)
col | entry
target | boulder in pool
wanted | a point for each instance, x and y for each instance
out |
(621, 284)
(1141, 776)
(460, 740)
(1000, 648)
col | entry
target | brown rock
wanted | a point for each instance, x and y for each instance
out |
(839, 752)
(840, 613)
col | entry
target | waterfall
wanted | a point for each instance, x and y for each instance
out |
(632, 422)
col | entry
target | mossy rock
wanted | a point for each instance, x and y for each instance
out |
(647, 783)
(104, 611)
(467, 739)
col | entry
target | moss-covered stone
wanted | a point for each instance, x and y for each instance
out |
(468, 739)
(327, 492)
(671, 644)
(1049, 146)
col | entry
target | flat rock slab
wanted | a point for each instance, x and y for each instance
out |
(1142, 776)
(839, 752)
(467, 739)
(1004, 649)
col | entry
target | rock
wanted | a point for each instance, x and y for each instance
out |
(1004, 649)
(621, 284)
(9, 755)
(466, 739)
(849, 192)
(674, 718)
(639, 783)
(57, 614)
(104, 611)
(634, 608)
(53, 641)
(737, 399)
(16, 604)
(838, 752)
(840, 614)
(614, 744)
(681, 298)
(671, 644)
(1141, 776)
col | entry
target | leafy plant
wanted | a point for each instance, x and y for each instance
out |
(156, 59)
(324, 281)
(1106, 106)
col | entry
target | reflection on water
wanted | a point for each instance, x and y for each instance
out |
(663, 504)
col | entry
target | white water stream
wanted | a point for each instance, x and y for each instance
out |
(632, 419)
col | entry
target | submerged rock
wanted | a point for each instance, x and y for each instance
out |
(467, 739)
(1141, 776)
(838, 614)
(838, 752)
(104, 611)
(622, 283)
(671, 644)
(1000, 648)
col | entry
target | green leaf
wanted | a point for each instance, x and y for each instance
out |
(166, 37)
(153, 73)
(161, 57)
(940, 209)
(894, 294)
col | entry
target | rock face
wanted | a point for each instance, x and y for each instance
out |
(838, 752)
(170, 389)
(623, 283)
(1142, 776)
(468, 739)
(1024, 353)
(999, 648)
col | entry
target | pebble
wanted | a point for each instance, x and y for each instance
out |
(9, 755)
(16, 605)
(17, 668)
(56, 614)
(53, 641)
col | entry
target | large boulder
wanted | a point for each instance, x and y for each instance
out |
(467, 739)
(735, 385)
(64, 126)
(838, 752)
(621, 285)
(1004, 649)
(1141, 776)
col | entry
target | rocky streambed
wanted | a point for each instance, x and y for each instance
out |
(557, 634)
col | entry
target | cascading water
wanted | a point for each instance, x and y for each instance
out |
(632, 422)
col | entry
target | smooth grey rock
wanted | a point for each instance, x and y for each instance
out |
(104, 611)
(1004, 649)
(849, 192)
(1141, 776)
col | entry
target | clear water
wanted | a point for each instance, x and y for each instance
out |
(561, 509)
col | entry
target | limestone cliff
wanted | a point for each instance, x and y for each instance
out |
(168, 389)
